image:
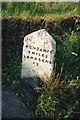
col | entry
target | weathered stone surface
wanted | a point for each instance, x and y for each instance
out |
(12, 107)
(38, 54)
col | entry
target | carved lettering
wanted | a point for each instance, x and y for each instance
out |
(34, 48)
(27, 56)
(37, 48)
(33, 62)
(40, 49)
(30, 47)
(36, 64)
(33, 52)
(35, 58)
(46, 61)
(24, 56)
(42, 55)
(46, 56)
(42, 60)
(28, 51)
(51, 51)
(39, 54)
(26, 45)
(47, 50)
(44, 50)
(39, 59)
(31, 57)
(50, 62)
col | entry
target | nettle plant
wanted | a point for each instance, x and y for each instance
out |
(58, 97)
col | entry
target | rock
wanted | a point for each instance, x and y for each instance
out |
(12, 107)
(33, 82)
(38, 55)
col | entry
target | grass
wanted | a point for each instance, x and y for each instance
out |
(55, 94)
(47, 10)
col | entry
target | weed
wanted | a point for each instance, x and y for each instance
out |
(58, 97)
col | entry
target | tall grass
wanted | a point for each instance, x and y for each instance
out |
(58, 97)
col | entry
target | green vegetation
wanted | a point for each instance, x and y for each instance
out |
(46, 10)
(64, 52)
(58, 97)
(60, 20)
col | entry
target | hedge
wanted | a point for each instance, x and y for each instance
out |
(14, 30)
